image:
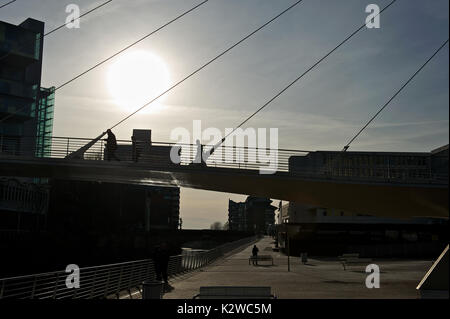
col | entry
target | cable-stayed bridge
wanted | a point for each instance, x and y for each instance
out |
(384, 190)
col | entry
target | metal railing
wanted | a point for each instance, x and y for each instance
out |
(159, 155)
(156, 153)
(24, 197)
(108, 280)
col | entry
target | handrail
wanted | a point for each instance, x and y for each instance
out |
(404, 168)
(108, 280)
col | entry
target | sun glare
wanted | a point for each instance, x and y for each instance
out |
(136, 78)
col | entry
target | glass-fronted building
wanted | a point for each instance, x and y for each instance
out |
(26, 122)
(26, 109)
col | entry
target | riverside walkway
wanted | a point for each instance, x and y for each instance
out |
(319, 278)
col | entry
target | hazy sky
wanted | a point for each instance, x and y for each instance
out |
(321, 112)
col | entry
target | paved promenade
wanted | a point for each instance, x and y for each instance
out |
(319, 278)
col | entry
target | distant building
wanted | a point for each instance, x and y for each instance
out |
(331, 230)
(26, 114)
(282, 212)
(237, 216)
(255, 215)
(439, 161)
(392, 166)
(297, 213)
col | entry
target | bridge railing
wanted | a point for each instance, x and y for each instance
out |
(170, 155)
(108, 280)
(154, 153)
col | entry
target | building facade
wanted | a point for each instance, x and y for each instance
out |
(237, 216)
(256, 215)
(26, 109)
(297, 213)
(112, 207)
(392, 166)
(26, 121)
(333, 231)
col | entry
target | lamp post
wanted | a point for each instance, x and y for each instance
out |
(289, 252)
(290, 229)
(286, 227)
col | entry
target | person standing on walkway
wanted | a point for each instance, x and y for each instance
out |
(161, 260)
(111, 146)
(255, 251)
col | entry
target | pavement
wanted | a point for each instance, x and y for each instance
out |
(319, 278)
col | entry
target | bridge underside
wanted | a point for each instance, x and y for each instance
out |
(379, 199)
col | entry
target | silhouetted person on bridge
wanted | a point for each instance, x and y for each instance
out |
(199, 157)
(255, 251)
(161, 259)
(111, 146)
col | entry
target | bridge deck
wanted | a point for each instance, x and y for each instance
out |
(380, 198)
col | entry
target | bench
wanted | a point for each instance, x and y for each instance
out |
(353, 259)
(344, 256)
(234, 292)
(260, 258)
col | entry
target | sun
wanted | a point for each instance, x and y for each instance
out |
(136, 78)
